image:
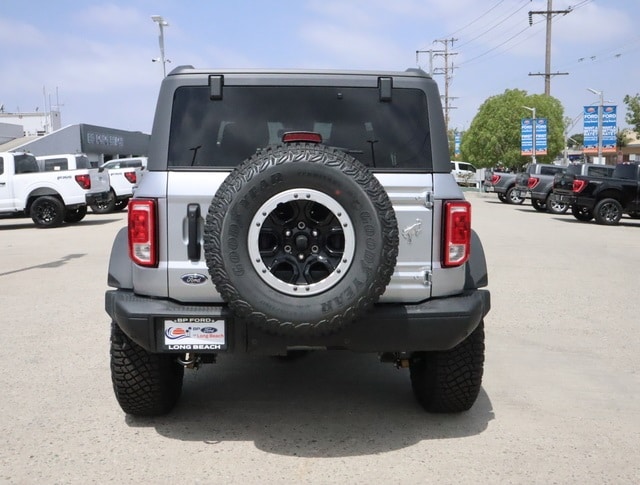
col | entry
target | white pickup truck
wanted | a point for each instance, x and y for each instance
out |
(49, 197)
(124, 175)
(99, 192)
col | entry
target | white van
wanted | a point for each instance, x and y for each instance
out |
(464, 173)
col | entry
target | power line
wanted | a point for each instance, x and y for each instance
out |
(467, 62)
(494, 26)
(476, 19)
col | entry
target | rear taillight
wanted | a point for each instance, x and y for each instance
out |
(131, 177)
(578, 186)
(143, 241)
(304, 136)
(84, 181)
(532, 182)
(495, 179)
(457, 233)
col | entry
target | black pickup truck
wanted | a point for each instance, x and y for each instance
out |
(604, 198)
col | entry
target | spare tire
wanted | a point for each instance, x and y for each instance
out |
(300, 240)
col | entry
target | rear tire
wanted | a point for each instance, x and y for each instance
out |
(503, 198)
(608, 212)
(449, 381)
(539, 205)
(121, 205)
(581, 213)
(556, 207)
(512, 198)
(76, 215)
(105, 206)
(145, 384)
(47, 211)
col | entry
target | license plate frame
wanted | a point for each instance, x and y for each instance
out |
(194, 334)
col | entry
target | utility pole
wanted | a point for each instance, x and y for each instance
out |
(549, 12)
(431, 53)
(447, 71)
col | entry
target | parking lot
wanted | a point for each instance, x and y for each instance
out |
(560, 401)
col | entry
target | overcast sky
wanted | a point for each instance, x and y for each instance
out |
(94, 58)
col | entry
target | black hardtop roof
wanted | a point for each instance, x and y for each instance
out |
(188, 69)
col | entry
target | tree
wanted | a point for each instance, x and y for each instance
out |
(576, 140)
(494, 134)
(633, 111)
(621, 138)
(452, 143)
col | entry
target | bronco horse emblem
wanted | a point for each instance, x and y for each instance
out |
(412, 231)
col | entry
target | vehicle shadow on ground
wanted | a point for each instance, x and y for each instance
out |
(28, 224)
(96, 222)
(326, 404)
(623, 222)
(51, 264)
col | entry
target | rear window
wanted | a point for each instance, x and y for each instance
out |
(388, 136)
(53, 164)
(82, 162)
(574, 169)
(551, 170)
(25, 164)
(602, 171)
(626, 171)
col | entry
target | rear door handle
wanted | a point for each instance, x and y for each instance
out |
(193, 243)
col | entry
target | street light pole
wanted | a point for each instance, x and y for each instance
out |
(533, 133)
(162, 23)
(600, 113)
(567, 137)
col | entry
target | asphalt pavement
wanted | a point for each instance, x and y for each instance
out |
(560, 401)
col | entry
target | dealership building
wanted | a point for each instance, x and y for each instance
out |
(41, 133)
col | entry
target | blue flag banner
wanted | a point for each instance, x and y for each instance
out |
(541, 136)
(609, 129)
(526, 137)
(590, 123)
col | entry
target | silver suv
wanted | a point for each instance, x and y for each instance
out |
(290, 211)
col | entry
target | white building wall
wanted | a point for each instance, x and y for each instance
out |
(35, 123)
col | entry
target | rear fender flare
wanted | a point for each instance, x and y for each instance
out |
(476, 275)
(120, 266)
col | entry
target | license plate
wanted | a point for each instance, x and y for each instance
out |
(194, 334)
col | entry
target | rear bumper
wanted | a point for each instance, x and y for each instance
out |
(96, 198)
(586, 202)
(437, 324)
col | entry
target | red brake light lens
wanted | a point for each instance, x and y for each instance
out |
(532, 182)
(303, 136)
(142, 232)
(495, 179)
(131, 177)
(457, 233)
(578, 186)
(84, 181)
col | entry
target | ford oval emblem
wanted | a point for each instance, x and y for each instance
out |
(193, 278)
